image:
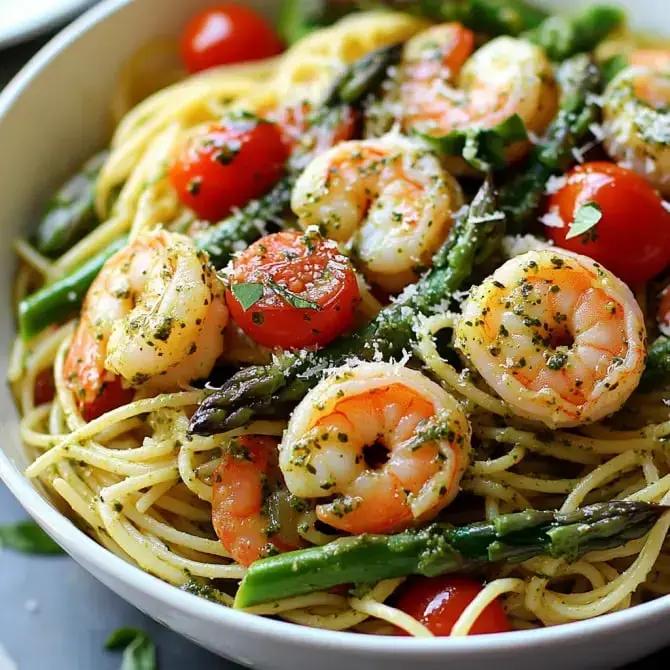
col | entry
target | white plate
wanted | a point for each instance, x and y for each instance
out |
(23, 19)
(54, 115)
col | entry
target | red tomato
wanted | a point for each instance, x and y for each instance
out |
(228, 165)
(44, 387)
(227, 33)
(285, 270)
(111, 396)
(632, 239)
(438, 602)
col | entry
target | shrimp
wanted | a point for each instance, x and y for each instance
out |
(153, 318)
(386, 444)
(443, 86)
(561, 339)
(251, 510)
(636, 117)
(389, 199)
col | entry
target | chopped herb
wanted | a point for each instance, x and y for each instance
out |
(586, 219)
(291, 298)
(247, 293)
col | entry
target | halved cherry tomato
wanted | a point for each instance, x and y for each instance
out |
(298, 290)
(228, 165)
(44, 387)
(227, 33)
(438, 602)
(632, 239)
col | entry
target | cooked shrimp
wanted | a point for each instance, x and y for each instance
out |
(388, 199)
(561, 339)
(442, 88)
(251, 510)
(636, 120)
(386, 443)
(154, 317)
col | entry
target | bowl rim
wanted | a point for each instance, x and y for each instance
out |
(68, 534)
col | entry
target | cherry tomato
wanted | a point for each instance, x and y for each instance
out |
(45, 389)
(298, 290)
(438, 602)
(632, 239)
(228, 165)
(112, 395)
(227, 33)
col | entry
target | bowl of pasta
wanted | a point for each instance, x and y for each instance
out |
(335, 327)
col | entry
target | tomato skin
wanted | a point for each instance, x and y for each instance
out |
(632, 239)
(438, 602)
(45, 389)
(227, 166)
(312, 269)
(112, 395)
(227, 33)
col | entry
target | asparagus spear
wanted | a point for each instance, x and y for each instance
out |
(70, 213)
(55, 301)
(272, 390)
(440, 548)
(220, 240)
(564, 36)
(658, 362)
(493, 17)
(580, 81)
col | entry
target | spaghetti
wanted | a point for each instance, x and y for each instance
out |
(141, 483)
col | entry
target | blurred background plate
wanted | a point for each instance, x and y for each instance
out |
(22, 19)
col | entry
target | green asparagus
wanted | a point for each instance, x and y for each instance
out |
(493, 17)
(64, 296)
(55, 301)
(580, 83)
(70, 214)
(564, 36)
(273, 390)
(441, 548)
(658, 363)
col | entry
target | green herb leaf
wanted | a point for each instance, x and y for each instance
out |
(121, 638)
(247, 293)
(291, 298)
(482, 148)
(28, 538)
(587, 217)
(139, 651)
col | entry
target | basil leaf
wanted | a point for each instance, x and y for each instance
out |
(139, 651)
(247, 294)
(482, 148)
(122, 637)
(291, 298)
(587, 217)
(140, 654)
(28, 538)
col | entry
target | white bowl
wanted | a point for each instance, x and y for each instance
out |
(54, 115)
